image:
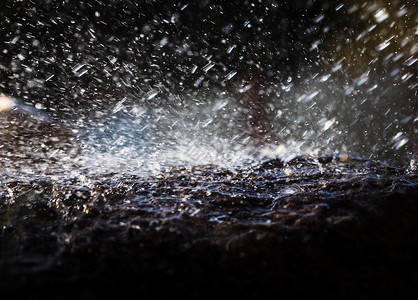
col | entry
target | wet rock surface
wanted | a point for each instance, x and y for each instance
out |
(335, 226)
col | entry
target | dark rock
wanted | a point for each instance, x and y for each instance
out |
(332, 230)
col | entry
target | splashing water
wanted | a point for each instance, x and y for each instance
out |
(141, 140)
(151, 90)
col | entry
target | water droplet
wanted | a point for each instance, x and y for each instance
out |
(230, 48)
(208, 66)
(327, 124)
(339, 7)
(397, 57)
(112, 59)
(383, 45)
(399, 140)
(324, 77)
(118, 106)
(207, 122)
(39, 106)
(92, 33)
(319, 18)
(380, 15)
(363, 78)
(406, 119)
(79, 70)
(410, 61)
(371, 28)
(288, 191)
(14, 40)
(164, 41)
(401, 12)
(352, 9)
(315, 45)
(230, 75)
(6, 102)
(150, 94)
(220, 105)
(406, 76)
(336, 67)
(198, 81)
(49, 77)
(311, 96)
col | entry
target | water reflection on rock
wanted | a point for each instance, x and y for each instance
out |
(188, 228)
